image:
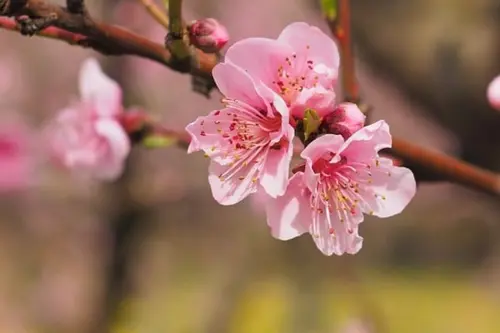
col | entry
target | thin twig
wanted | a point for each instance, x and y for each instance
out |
(341, 29)
(178, 46)
(156, 12)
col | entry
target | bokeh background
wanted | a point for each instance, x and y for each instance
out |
(153, 252)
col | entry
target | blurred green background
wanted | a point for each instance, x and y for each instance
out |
(154, 253)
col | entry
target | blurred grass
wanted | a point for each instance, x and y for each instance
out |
(410, 303)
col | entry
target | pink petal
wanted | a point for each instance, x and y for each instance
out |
(260, 57)
(231, 190)
(318, 98)
(235, 83)
(207, 134)
(493, 93)
(116, 137)
(324, 144)
(391, 190)
(334, 230)
(364, 144)
(288, 216)
(99, 90)
(274, 177)
(311, 43)
(342, 242)
(119, 147)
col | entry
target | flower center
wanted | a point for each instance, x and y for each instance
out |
(295, 74)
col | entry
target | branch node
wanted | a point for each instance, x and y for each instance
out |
(29, 26)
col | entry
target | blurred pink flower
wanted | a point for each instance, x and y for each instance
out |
(16, 160)
(208, 35)
(493, 93)
(249, 141)
(342, 180)
(301, 65)
(87, 136)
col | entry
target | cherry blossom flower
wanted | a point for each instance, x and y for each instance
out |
(87, 137)
(16, 160)
(493, 93)
(300, 65)
(341, 181)
(249, 141)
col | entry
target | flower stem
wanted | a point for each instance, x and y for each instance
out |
(341, 29)
(178, 47)
(155, 12)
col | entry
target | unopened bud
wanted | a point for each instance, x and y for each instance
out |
(493, 93)
(346, 119)
(208, 35)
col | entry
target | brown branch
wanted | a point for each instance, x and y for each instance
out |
(437, 166)
(426, 164)
(50, 32)
(34, 16)
(341, 29)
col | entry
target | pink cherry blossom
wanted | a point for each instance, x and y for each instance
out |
(249, 141)
(342, 180)
(302, 63)
(87, 137)
(493, 93)
(16, 159)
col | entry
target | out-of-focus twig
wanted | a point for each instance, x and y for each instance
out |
(41, 16)
(156, 12)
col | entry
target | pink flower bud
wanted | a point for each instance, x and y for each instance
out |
(208, 35)
(493, 93)
(345, 120)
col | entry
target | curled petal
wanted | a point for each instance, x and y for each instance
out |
(99, 90)
(324, 144)
(366, 143)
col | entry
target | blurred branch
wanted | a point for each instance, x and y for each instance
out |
(340, 25)
(40, 17)
(426, 164)
(156, 12)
